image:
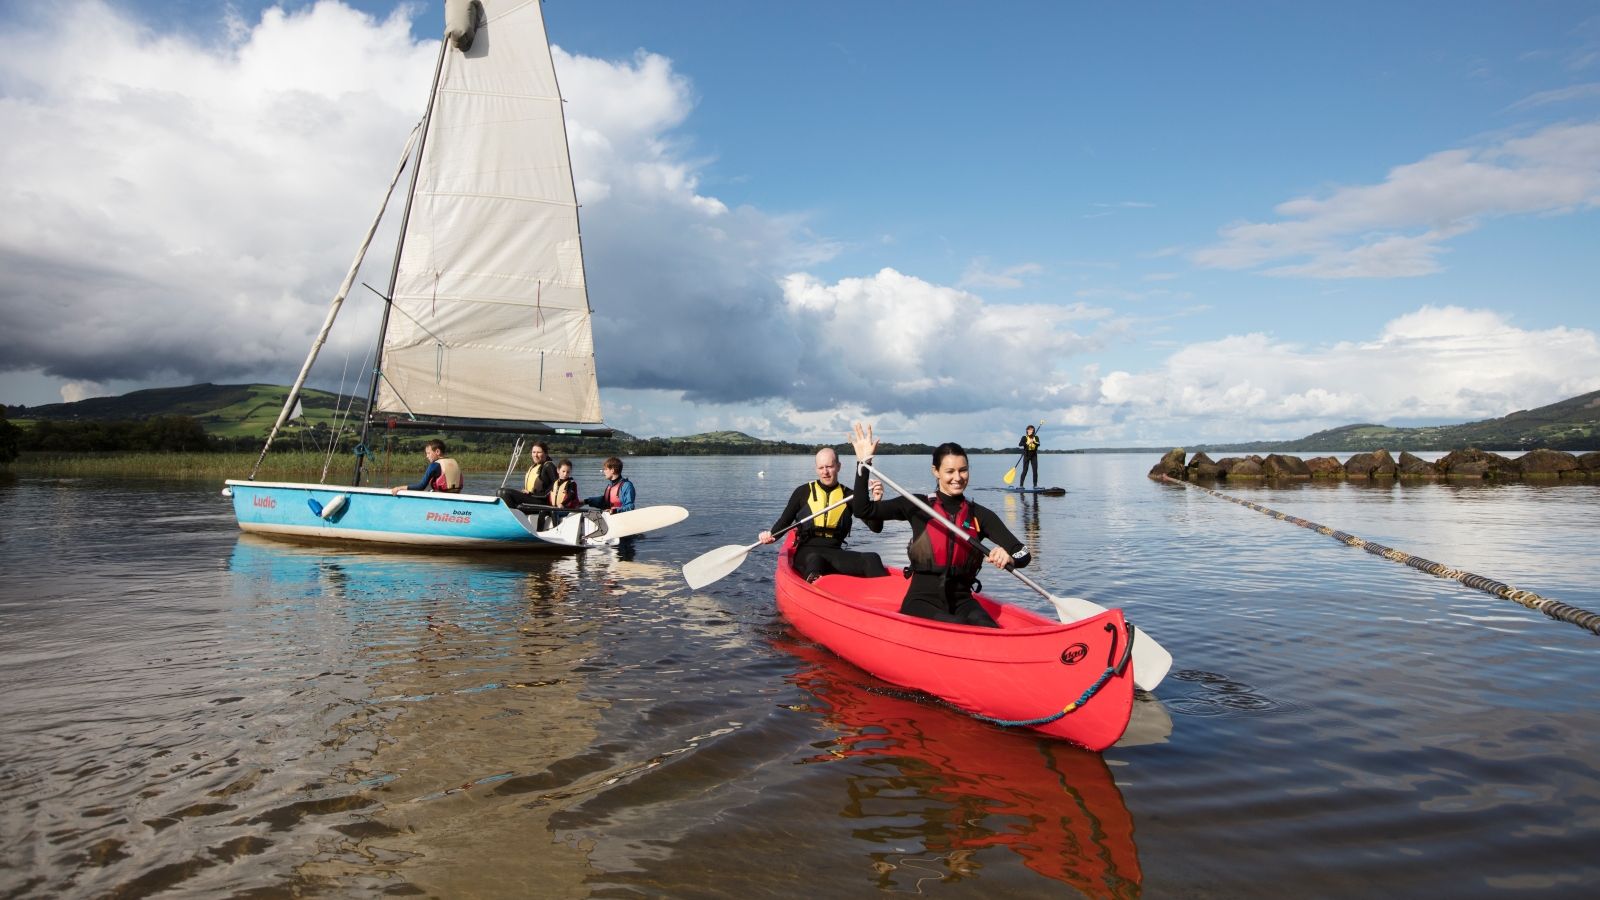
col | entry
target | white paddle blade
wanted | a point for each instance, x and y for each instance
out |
(714, 565)
(1151, 661)
(645, 518)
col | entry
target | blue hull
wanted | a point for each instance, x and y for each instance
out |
(373, 515)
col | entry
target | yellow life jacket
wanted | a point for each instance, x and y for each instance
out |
(1030, 442)
(826, 524)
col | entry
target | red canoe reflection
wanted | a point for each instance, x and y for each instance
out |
(1054, 805)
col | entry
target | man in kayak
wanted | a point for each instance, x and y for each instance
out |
(819, 547)
(442, 473)
(943, 570)
(1030, 456)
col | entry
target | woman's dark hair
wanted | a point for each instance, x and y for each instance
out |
(948, 448)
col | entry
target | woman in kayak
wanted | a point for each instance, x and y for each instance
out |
(943, 569)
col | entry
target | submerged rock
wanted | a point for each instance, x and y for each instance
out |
(1277, 466)
(1411, 466)
(1474, 463)
(1377, 464)
(1171, 465)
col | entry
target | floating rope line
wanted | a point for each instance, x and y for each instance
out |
(1555, 609)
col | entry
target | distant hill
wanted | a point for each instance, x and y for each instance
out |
(243, 412)
(224, 410)
(1571, 424)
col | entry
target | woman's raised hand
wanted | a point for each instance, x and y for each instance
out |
(862, 440)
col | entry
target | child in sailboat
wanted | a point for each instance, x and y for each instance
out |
(619, 491)
(442, 473)
(564, 495)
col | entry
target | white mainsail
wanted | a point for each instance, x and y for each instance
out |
(491, 315)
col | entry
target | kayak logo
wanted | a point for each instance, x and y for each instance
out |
(453, 517)
(1074, 654)
(264, 502)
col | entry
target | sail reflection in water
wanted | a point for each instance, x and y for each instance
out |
(457, 676)
(1053, 805)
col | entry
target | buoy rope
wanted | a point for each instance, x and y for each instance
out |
(1115, 668)
(1555, 609)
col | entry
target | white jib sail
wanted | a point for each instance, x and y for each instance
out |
(491, 317)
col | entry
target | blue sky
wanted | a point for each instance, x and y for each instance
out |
(1143, 224)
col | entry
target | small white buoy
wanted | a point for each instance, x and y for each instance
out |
(227, 492)
(334, 505)
(761, 474)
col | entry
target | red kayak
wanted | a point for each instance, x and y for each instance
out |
(1024, 673)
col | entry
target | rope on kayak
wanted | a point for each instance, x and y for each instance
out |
(1115, 668)
(1555, 609)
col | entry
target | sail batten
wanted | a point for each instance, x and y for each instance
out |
(495, 321)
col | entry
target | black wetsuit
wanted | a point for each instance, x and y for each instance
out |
(1030, 458)
(538, 483)
(821, 552)
(943, 596)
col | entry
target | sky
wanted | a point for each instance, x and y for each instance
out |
(1150, 225)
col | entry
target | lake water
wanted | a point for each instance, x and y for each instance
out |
(194, 711)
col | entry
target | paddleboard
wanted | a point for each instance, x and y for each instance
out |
(1045, 492)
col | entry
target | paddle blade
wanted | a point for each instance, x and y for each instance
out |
(714, 565)
(1151, 661)
(645, 518)
(1010, 476)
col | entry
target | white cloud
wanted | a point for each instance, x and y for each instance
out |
(1400, 227)
(1437, 363)
(979, 275)
(894, 342)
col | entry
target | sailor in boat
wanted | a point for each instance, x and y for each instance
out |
(1030, 457)
(564, 495)
(619, 491)
(442, 473)
(536, 484)
(819, 542)
(943, 570)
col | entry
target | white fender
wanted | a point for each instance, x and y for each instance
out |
(334, 506)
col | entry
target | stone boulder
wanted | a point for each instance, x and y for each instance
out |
(1171, 464)
(1543, 463)
(1415, 467)
(1325, 467)
(1277, 466)
(1377, 464)
(1235, 467)
(1475, 463)
(1201, 466)
(1590, 463)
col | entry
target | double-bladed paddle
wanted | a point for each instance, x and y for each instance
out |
(1150, 660)
(714, 565)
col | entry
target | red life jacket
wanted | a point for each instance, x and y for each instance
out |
(614, 495)
(938, 551)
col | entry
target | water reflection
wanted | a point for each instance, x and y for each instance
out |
(463, 675)
(959, 787)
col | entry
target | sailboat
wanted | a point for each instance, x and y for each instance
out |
(487, 325)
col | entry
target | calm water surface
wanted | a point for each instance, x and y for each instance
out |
(190, 711)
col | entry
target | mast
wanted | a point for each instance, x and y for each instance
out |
(394, 271)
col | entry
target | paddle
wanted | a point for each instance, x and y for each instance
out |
(645, 518)
(1150, 660)
(1011, 473)
(714, 565)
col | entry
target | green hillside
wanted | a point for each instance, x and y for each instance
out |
(223, 410)
(1571, 424)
